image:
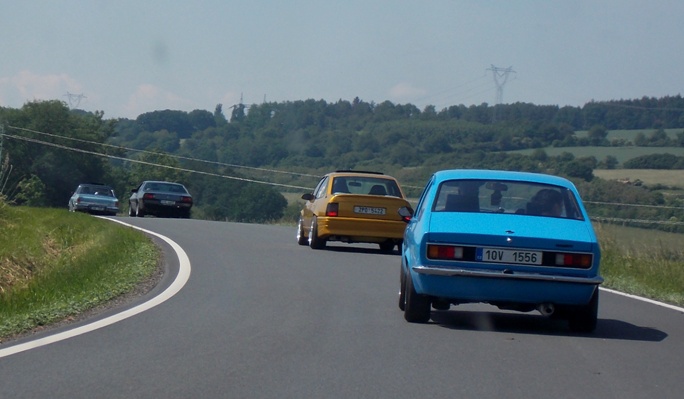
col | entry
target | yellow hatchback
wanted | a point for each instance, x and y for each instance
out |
(353, 207)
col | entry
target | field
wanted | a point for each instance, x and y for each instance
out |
(670, 178)
(630, 134)
(647, 263)
(641, 242)
(622, 154)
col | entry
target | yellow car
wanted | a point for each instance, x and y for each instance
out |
(353, 207)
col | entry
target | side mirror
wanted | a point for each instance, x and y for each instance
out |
(406, 213)
(308, 197)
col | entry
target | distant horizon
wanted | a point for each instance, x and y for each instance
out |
(442, 53)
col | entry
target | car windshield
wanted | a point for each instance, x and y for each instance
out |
(366, 186)
(499, 196)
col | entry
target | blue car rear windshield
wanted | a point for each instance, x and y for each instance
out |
(500, 196)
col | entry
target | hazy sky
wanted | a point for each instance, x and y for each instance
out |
(127, 57)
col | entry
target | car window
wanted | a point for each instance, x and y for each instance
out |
(421, 200)
(320, 189)
(497, 196)
(366, 186)
(175, 188)
(103, 191)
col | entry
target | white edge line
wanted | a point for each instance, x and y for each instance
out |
(178, 283)
(651, 301)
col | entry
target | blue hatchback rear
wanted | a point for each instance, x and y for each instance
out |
(518, 241)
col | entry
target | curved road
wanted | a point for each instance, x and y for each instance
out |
(262, 317)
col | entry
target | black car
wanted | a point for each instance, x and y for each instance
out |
(161, 199)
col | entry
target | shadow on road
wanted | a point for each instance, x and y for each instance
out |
(529, 323)
(352, 248)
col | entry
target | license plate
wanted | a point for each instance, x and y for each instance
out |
(167, 202)
(367, 210)
(516, 256)
(97, 208)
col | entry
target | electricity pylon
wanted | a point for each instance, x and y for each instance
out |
(74, 98)
(499, 73)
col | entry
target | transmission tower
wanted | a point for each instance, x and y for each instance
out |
(500, 78)
(74, 99)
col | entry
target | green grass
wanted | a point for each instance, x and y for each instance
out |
(647, 263)
(56, 265)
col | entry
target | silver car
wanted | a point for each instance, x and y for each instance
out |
(94, 198)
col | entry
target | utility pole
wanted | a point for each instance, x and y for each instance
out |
(500, 76)
(2, 138)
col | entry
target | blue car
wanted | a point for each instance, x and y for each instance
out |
(519, 241)
(94, 198)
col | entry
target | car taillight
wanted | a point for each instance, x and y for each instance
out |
(116, 203)
(148, 196)
(78, 200)
(332, 209)
(444, 252)
(186, 199)
(573, 260)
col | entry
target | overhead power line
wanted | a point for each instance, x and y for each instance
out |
(165, 154)
(150, 163)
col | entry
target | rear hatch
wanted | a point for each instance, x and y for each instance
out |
(368, 206)
(97, 199)
(509, 230)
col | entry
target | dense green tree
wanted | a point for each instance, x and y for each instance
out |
(652, 161)
(597, 135)
(62, 151)
(173, 121)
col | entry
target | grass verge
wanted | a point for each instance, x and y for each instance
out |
(55, 265)
(648, 263)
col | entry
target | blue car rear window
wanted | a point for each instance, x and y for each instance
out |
(500, 196)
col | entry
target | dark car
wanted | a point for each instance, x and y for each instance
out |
(161, 199)
(94, 198)
(518, 241)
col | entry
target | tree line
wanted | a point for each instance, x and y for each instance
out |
(308, 138)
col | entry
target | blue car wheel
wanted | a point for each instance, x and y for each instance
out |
(417, 306)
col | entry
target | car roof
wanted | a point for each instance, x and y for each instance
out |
(161, 181)
(359, 173)
(485, 174)
(95, 184)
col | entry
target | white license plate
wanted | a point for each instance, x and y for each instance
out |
(166, 202)
(516, 256)
(367, 210)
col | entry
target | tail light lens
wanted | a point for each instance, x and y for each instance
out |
(148, 196)
(333, 209)
(574, 260)
(447, 252)
(187, 200)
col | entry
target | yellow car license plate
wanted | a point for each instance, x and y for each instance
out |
(368, 210)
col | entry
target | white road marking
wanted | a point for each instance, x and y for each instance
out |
(178, 283)
(651, 301)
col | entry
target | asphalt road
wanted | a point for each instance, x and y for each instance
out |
(262, 317)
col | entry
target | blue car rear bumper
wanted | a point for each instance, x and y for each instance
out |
(461, 285)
